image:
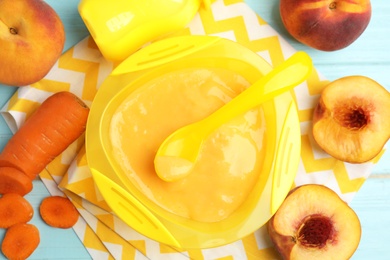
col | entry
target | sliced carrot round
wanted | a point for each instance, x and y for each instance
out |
(14, 181)
(14, 209)
(20, 241)
(58, 212)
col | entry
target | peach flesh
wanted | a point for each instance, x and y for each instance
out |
(354, 114)
(314, 223)
(350, 121)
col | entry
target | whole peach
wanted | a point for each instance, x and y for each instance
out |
(326, 25)
(32, 38)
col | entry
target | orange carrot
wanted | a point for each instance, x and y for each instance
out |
(14, 181)
(58, 122)
(58, 212)
(20, 241)
(14, 209)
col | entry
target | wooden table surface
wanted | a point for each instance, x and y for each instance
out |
(368, 56)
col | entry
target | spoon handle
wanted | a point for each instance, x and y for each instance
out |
(281, 79)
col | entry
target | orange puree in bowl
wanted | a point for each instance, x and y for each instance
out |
(231, 158)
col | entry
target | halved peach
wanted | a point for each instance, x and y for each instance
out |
(351, 121)
(314, 223)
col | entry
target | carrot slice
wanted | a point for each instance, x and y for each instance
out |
(57, 122)
(58, 212)
(14, 209)
(20, 241)
(14, 181)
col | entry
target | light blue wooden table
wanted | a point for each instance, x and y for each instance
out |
(369, 56)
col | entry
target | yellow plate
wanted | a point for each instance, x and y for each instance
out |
(131, 205)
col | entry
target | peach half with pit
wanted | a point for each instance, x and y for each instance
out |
(315, 223)
(351, 120)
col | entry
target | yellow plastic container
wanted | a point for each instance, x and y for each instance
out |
(121, 27)
(131, 205)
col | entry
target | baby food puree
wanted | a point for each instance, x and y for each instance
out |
(231, 157)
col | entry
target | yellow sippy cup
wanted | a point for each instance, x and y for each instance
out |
(121, 27)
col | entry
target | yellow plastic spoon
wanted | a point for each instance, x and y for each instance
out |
(178, 153)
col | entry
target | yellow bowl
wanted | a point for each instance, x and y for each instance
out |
(131, 205)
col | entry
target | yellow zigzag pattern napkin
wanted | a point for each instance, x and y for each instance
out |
(82, 69)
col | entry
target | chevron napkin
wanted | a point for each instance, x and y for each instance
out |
(82, 69)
